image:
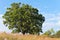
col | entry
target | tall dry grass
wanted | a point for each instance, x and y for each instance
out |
(10, 36)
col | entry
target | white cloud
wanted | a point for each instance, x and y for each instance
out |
(2, 26)
(52, 21)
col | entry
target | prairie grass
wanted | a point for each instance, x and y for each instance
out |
(16, 36)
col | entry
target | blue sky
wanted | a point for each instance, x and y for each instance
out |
(49, 8)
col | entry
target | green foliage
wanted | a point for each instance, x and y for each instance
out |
(23, 18)
(57, 34)
(49, 32)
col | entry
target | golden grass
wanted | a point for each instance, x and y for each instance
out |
(5, 36)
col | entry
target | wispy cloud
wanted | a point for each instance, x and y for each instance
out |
(52, 21)
(2, 26)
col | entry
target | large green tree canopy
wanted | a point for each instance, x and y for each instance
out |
(23, 18)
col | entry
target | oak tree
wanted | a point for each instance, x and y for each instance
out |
(23, 18)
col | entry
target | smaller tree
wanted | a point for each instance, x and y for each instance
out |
(57, 34)
(49, 32)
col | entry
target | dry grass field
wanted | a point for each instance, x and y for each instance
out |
(5, 36)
